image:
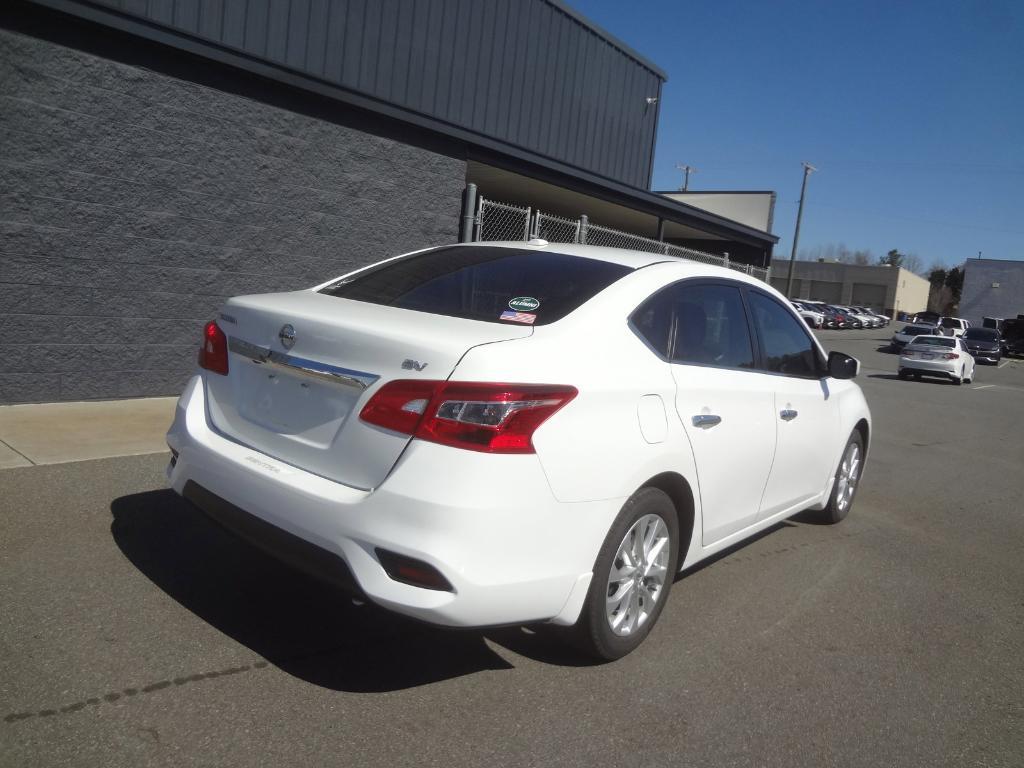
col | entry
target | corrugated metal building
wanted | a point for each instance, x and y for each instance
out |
(157, 157)
(992, 288)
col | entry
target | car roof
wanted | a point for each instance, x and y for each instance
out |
(621, 256)
(933, 336)
(680, 267)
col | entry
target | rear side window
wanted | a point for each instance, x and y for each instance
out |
(702, 324)
(934, 341)
(711, 327)
(787, 347)
(498, 285)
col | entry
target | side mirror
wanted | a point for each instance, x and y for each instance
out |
(842, 366)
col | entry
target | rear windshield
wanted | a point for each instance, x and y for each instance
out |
(911, 330)
(981, 334)
(950, 322)
(934, 341)
(497, 285)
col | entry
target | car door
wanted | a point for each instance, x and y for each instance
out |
(724, 405)
(805, 414)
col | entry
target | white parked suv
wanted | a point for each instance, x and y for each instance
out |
(507, 433)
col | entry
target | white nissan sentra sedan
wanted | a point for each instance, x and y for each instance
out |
(511, 433)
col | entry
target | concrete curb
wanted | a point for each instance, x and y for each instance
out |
(55, 433)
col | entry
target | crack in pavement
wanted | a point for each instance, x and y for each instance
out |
(113, 696)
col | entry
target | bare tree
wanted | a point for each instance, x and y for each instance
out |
(914, 263)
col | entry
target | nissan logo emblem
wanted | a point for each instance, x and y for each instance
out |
(287, 336)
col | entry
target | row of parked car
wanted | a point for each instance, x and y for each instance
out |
(818, 314)
(983, 344)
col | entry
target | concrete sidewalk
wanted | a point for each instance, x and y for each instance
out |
(53, 433)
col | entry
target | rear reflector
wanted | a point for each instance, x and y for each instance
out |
(213, 355)
(479, 416)
(408, 570)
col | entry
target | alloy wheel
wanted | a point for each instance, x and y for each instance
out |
(849, 472)
(636, 581)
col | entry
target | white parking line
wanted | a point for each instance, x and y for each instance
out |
(984, 386)
(1005, 362)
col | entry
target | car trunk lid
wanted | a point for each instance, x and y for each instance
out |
(302, 365)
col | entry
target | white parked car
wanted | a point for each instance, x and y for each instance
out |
(882, 320)
(908, 333)
(509, 433)
(943, 356)
(813, 318)
(866, 318)
(954, 326)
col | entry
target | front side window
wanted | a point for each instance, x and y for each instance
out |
(787, 347)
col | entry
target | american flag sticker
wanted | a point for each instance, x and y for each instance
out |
(518, 317)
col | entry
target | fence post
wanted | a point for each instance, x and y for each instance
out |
(468, 214)
(584, 223)
(527, 224)
(725, 256)
(534, 231)
(661, 230)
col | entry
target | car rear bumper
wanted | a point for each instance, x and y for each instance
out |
(489, 524)
(949, 369)
(985, 355)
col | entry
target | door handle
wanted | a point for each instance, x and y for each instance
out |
(788, 414)
(706, 421)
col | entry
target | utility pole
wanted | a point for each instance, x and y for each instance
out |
(808, 170)
(687, 170)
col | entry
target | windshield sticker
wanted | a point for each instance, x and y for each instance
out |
(524, 302)
(518, 317)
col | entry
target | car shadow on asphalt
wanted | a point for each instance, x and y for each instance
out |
(304, 627)
(922, 380)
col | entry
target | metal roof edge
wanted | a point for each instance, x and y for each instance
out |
(714, 192)
(610, 38)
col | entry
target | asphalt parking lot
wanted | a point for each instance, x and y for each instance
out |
(136, 633)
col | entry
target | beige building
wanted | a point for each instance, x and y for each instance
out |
(883, 288)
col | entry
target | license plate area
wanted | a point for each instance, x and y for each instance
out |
(292, 404)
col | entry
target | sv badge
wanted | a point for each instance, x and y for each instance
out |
(413, 365)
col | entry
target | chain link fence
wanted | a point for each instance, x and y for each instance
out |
(556, 229)
(502, 221)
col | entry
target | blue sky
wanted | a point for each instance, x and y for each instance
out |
(912, 111)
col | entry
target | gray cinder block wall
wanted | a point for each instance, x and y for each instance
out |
(133, 201)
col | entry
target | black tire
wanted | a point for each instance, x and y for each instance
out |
(834, 511)
(903, 375)
(917, 377)
(592, 634)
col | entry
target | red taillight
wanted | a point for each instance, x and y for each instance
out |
(399, 405)
(213, 355)
(479, 416)
(951, 356)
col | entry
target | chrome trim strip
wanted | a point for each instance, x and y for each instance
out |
(265, 356)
